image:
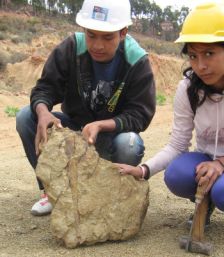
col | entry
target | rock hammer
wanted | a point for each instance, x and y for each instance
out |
(195, 241)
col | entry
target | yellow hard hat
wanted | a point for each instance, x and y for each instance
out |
(204, 24)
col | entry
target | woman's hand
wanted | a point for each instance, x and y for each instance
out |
(208, 172)
(126, 169)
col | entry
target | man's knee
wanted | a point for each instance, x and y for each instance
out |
(128, 148)
(22, 118)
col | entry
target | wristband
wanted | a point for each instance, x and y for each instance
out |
(145, 172)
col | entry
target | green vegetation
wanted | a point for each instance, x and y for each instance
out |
(158, 46)
(59, 18)
(160, 99)
(155, 22)
(19, 30)
(3, 35)
(23, 30)
(13, 57)
(11, 111)
(148, 17)
(4, 59)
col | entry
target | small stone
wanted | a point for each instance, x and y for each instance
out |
(34, 227)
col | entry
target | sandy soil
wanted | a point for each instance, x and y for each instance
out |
(23, 235)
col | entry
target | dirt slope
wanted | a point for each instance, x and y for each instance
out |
(22, 76)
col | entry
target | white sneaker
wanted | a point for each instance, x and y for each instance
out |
(42, 207)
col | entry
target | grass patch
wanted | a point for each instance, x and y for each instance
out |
(17, 57)
(157, 46)
(11, 111)
(4, 59)
(3, 35)
(13, 57)
(160, 99)
(18, 29)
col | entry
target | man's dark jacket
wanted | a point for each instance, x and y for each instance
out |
(68, 72)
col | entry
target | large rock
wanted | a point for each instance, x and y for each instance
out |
(92, 201)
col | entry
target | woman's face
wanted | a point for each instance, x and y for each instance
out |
(207, 61)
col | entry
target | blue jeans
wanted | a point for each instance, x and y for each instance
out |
(121, 148)
(180, 178)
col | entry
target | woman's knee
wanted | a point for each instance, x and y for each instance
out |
(176, 177)
(128, 148)
(180, 174)
(217, 193)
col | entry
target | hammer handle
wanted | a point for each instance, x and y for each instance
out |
(200, 193)
(199, 220)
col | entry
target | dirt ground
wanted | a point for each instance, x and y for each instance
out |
(23, 235)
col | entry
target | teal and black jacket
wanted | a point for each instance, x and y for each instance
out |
(68, 71)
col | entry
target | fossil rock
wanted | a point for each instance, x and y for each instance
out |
(92, 201)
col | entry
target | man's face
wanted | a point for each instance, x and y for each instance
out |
(102, 46)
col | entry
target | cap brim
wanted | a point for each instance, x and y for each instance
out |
(99, 25)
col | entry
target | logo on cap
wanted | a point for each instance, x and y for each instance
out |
(100, 13)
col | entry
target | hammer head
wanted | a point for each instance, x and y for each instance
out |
(195, 246)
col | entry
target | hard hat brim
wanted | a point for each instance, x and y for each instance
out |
(199, 38)
(99, 25)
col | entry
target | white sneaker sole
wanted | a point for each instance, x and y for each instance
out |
(36, 213)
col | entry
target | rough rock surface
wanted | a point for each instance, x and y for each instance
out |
(92, 201)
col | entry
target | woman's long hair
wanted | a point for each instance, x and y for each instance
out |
(196, 84)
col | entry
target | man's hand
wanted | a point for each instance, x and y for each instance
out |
(45, 120)
(208, 171)
(91, 130)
